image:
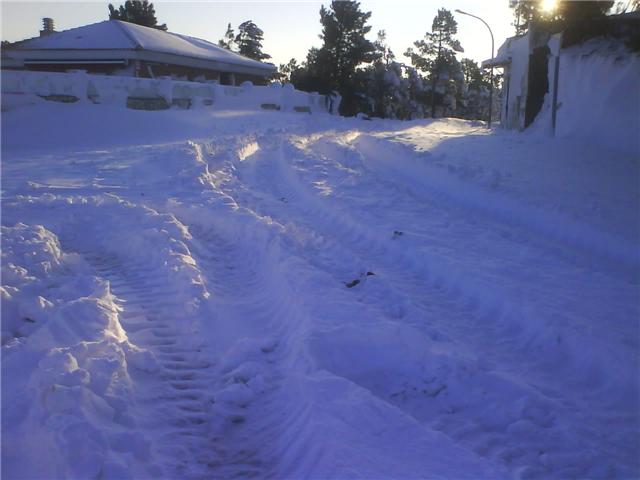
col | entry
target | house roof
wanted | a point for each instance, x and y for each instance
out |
(116, 35)
(513, 45)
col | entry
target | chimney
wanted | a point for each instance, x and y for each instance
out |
(47, 27)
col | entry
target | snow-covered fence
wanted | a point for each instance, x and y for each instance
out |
(161, 93)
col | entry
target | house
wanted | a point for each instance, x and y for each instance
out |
(114, 47)
(524, 60)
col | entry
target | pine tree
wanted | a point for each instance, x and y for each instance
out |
(383, 82)
(475, 91)
(435, 54)
(344, 43)
(583, 15)
(249, 41)
(524, 11)
(229, 39)
(383, 51)
(307, 77)
(138, 12)
(472, 74)
(285, 71)
(345, 47)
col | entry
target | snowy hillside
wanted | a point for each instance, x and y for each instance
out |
(188, 294)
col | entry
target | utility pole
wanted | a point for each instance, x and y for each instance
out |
(492, 55)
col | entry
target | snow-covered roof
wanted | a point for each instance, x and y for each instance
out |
(518, 44)
(118, 35)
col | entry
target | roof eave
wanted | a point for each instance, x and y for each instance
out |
(263, 70)
(496, 62)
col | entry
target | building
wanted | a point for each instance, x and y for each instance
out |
(114, 47)
(524, 60)
(536, 67)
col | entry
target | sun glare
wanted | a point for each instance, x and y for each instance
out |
(549, 5)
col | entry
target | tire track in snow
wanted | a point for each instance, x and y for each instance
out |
(258, 421)
(175, 403)
(271, 179)
(238, 252)
(445, 265)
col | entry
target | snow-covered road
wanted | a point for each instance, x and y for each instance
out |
(282, 296)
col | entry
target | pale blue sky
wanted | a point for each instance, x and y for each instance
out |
(290, 27)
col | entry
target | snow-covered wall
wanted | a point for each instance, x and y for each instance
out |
(116, 90)
(517, 50)
(599, 95)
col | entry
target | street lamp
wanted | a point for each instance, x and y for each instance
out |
(492, 53)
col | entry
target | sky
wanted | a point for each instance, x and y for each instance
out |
(290, 27)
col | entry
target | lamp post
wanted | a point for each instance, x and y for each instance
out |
(492, 54)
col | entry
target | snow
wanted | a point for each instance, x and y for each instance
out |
(27, 88)
(516, 51)
(214, 293)
(600, 71)
(119, 35)
(598, 99)
(605, 72)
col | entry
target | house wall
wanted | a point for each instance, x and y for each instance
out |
(144, 69)
(104, 69)
(515, 83)
(523, 89)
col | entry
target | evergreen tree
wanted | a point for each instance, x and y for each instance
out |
(345, 46)
(138, 12)
(249, 41)
(335, 65)
(475, 92)
(584, 16)
(285, 71)
(307, 77)
(229, 39)
(383, 51)
(473, 76)
(435, 54)
(524, 12)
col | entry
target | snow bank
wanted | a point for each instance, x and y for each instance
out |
(489, 196)
(159, 242)
(116, 90)
(599, 95)
(65, 368)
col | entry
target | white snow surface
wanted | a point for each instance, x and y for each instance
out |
(199, 294)
(606, 73)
